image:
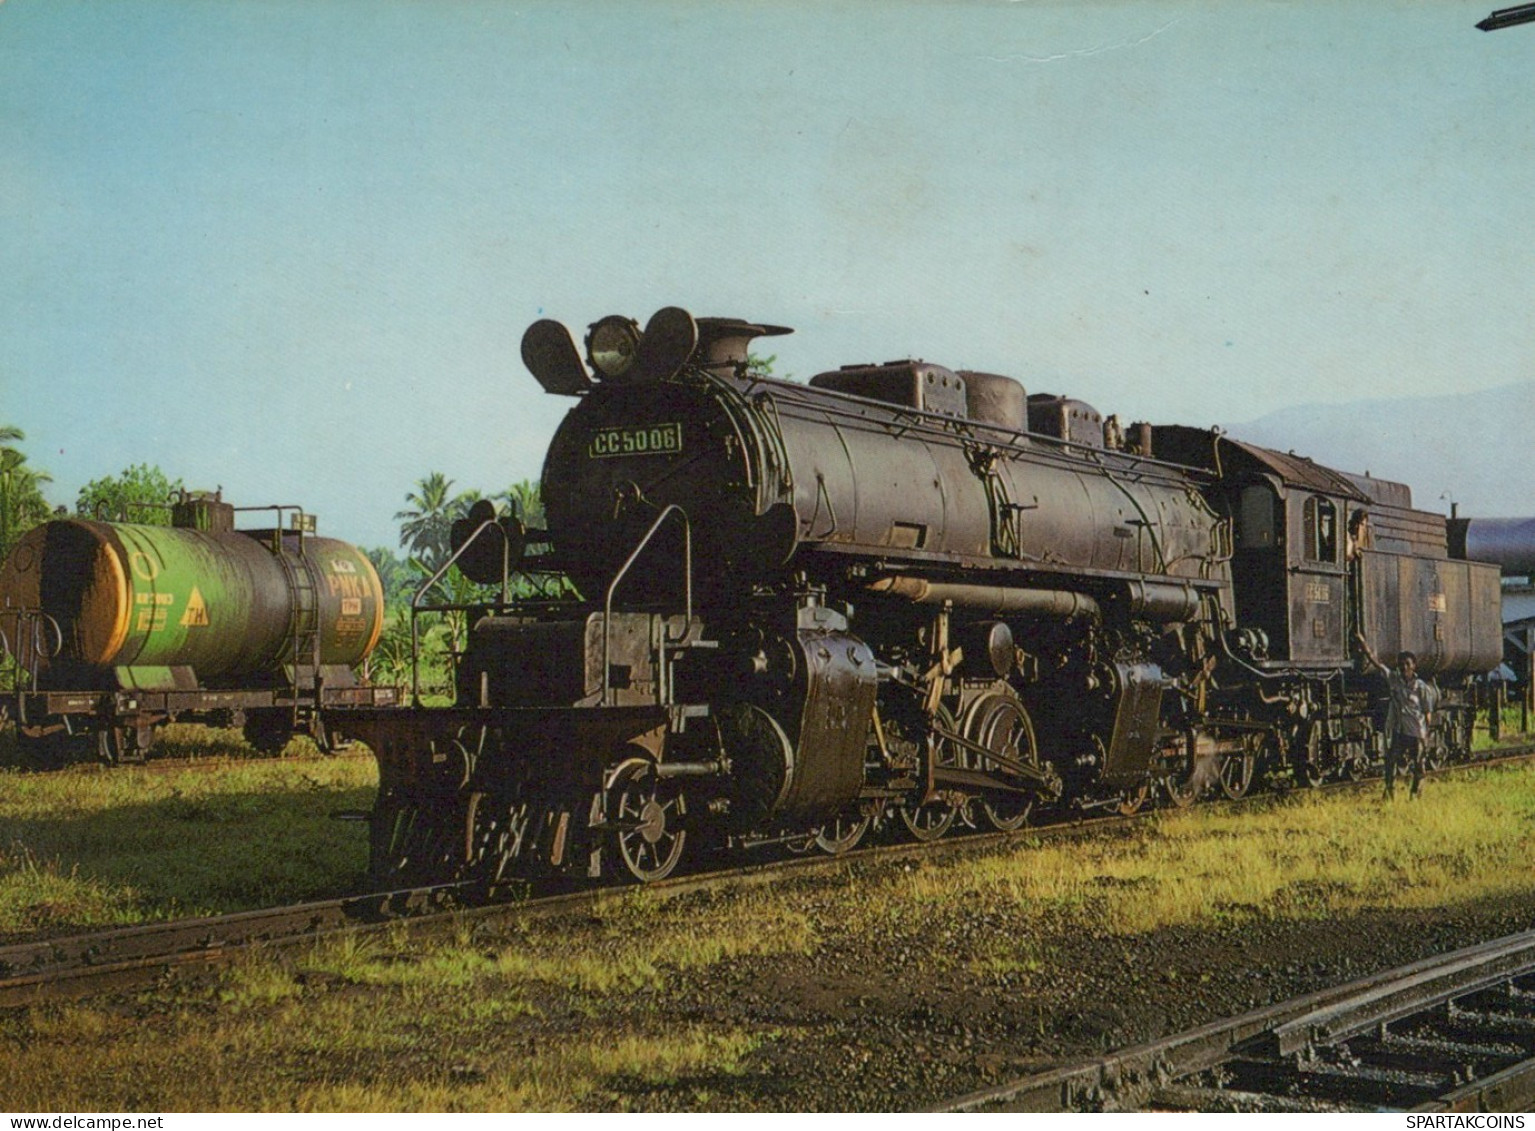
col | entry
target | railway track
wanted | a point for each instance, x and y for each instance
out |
(130, 957)
(104, 961)
(1453, 1033)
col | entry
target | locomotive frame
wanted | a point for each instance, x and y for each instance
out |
(898, 595)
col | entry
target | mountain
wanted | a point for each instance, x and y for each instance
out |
(1475, 449)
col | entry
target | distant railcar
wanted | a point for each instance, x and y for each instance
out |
(117, 628)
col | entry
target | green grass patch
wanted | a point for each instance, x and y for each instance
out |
(1510, 734)
(525, 1021)
(1301, 856)
(620, 1006)
(91, 847)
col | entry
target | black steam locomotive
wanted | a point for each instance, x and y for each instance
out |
(898, 595)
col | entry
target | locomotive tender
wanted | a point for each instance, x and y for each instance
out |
(119, 627)
(898, 594)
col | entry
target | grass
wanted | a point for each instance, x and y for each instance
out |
(1512, 733)
(90, 847)
(343, 1054)
(612, 1009)
(361, 1024)
(1302, 856)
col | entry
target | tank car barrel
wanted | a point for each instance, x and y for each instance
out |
(223, 603)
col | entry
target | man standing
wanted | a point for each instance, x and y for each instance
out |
(1409, 718)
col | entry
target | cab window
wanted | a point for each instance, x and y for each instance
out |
(1321, 521)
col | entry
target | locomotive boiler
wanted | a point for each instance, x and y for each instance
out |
(898, 595)
(118, 627)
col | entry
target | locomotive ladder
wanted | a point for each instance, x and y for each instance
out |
(304, 623)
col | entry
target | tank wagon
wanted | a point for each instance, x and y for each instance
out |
(117, 628)
(901, 595)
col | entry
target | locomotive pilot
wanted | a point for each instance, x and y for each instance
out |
(1409, 718)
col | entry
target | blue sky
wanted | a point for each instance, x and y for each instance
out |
(290, 248)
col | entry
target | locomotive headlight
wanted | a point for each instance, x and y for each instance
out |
(611, 344)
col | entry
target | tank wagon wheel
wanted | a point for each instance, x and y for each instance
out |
(842, 833)
(268, 730)
(999, 722)
(930, 821)
(326, 739)
(648, 816)
(38, 751)
(118, 745)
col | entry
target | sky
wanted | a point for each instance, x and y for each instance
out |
(290, 248)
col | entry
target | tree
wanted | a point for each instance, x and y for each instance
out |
(396, 577)
(136, 494)
(424, 528)
(756, 363)
(22, 505)
(527, 503)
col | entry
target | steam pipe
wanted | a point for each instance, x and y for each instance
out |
(994, 599)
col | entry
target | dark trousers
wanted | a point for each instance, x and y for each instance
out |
(1404, 747)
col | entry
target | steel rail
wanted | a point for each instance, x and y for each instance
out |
(78, 965)
(1148, 1075)
(99, 961)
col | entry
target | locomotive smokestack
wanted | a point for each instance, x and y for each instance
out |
(725, 343)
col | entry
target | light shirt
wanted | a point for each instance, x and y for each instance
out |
(1412, 701)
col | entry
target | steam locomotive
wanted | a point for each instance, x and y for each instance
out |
(115, 628)
(898, 595)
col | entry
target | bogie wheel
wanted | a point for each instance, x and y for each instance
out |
(1000, 724)
(1434, 753)
(842, 833)
(804, 844)
(648, 815)
(498, 832)
(1355, 763)
(1181, 791)
(930, 821)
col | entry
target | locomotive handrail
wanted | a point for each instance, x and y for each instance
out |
(687, 576)
(416, 607)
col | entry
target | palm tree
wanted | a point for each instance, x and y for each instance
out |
(425, 527)
(526, 502)
(22, 505)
